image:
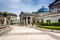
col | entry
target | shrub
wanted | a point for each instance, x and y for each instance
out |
(12, 23)
(48, 24)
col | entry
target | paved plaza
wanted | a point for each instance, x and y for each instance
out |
(27, 33)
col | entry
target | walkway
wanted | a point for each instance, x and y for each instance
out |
(26, 33)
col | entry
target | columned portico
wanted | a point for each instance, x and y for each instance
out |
(26, 21)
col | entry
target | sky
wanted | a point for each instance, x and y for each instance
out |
(18, 6)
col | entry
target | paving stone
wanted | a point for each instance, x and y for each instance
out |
(26, 33)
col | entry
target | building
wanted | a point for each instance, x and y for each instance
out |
(26, 18)
(12, 17)
(1, 18)
(9, 17)
(55, 6)
(45, 15)
(15, 21)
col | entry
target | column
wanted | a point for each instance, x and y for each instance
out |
(20, 20)
(31, 21)
(26, 21)
(5, 21)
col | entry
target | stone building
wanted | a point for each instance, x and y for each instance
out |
(26, 18)
(42, 15)
(55, 6)
(9, 17)
(1, 18)
(13, 18)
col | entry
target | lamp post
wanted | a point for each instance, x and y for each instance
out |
(5, 15)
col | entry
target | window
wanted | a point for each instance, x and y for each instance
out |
(48, 21)
(58, 20)
(58, 11)
(33, 21)
(37, 21)
(41, 21)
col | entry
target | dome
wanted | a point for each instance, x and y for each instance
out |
(43, 9)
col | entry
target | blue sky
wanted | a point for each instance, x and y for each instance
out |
(16, 6)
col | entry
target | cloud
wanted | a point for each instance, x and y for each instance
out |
(16, 6)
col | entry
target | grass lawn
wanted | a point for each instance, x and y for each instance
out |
(50, 27)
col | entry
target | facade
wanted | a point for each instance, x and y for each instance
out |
(42, 15)
(13, 18)
(26, 18)
(9, 17)
(1, 19)
(55, 6)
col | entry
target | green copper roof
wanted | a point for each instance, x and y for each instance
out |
(13, 19)
(43, 9)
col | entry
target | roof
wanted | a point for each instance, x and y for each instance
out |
(12, 14)
(43, 9)
(53, 3)
(27, 14)
(13, 19)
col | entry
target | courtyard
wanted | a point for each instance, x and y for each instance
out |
(27, 33)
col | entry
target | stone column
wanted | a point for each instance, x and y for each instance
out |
(31, 21)
(26, 21)
(20, 20)
(5, 21)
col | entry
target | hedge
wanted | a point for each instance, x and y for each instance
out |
(12, 23)
(50, 27)
(48, 24)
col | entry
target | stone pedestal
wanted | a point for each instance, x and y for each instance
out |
(5, 21)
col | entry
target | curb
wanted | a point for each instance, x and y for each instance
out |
(48, 30)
